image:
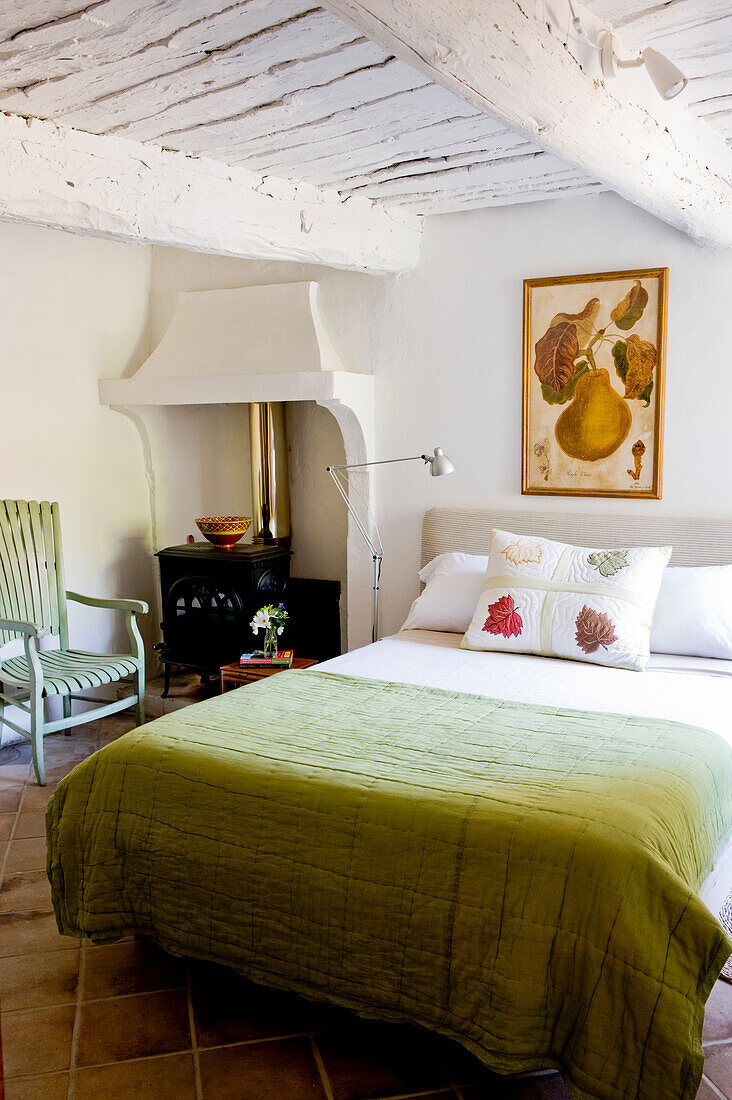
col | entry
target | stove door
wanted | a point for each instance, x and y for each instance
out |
(204, 622)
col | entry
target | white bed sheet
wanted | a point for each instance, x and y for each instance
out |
(685, 689)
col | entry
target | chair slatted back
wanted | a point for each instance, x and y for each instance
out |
(32, 584)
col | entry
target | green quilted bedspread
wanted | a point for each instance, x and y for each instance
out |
(520, 878)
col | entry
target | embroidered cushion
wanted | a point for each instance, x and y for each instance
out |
(557, 600)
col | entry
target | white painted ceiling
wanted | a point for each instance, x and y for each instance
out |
(285, 88)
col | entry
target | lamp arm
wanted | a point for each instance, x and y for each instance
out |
(377, 552)
(380, 462)
(632, 63)
(332, 470)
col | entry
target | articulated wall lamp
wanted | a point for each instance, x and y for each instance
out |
(667, 77)
(439, 465)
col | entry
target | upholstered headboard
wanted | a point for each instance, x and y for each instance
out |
(695, 541)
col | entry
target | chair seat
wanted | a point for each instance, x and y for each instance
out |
(67, 671)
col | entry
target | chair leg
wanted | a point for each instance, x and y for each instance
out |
(36, 731)
(140, 689)
(67, 711)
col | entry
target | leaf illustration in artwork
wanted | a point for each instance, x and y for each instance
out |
(584, 322)
(609, 562)
(594, 629)
(503, 618)
(555, 355)
(523, 551)
(630, 310)
(620, 355)
(561, 397)
(641, 356)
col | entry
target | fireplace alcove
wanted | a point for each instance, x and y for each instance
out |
(222, 351)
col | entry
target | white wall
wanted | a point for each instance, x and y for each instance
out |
(444, 343)
(318, 521)
(200, 456)
(448, 348)
(75, 309)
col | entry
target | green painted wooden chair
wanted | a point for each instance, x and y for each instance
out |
(33, 605)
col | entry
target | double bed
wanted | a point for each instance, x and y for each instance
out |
(523, 853)
(696, 691)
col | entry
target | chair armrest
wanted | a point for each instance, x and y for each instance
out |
(20, 627)
(137, 607)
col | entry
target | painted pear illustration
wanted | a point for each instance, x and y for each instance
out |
(596, 422)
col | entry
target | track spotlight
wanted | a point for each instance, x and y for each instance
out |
(667, 77)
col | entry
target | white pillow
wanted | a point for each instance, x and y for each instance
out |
(558, 600)
(694, 612)
(453, 584)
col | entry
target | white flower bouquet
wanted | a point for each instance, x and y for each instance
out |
(271, 619)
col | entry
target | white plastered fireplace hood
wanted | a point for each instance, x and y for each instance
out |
(259, 343)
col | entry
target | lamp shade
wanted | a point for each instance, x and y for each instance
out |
(667, 77)
(440, 464)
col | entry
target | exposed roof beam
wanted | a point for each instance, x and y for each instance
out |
(112, 187)
(545, 83)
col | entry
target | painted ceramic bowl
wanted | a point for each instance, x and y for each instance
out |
(223, 531)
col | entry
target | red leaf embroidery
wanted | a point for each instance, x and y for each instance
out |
(503, 618)
(594, 629)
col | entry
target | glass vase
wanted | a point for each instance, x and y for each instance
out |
(270, 641)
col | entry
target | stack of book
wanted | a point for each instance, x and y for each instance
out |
(283, 659)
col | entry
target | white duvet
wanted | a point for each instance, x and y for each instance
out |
(694, 690)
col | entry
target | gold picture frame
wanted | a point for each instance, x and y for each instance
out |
(593, 384)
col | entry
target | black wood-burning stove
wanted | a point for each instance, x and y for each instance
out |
(209, 596)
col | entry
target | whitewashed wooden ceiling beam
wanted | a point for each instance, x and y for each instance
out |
(285, 88)
(312, 130)
(281, 87)
(77, 65)
(310, 49)
(436, 166)
(355, 72)
(16, 18)
(643, 20)
(655, 154)
(418, 151)
(471, 198)
(143, 32)
(328, 166)
(349, 163)
(112, 187)
(534, 171)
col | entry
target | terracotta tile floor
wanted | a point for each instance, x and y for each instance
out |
(81, 1022)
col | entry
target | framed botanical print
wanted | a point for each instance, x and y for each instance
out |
(594, 364)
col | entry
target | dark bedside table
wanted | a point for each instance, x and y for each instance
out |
(234, 675)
